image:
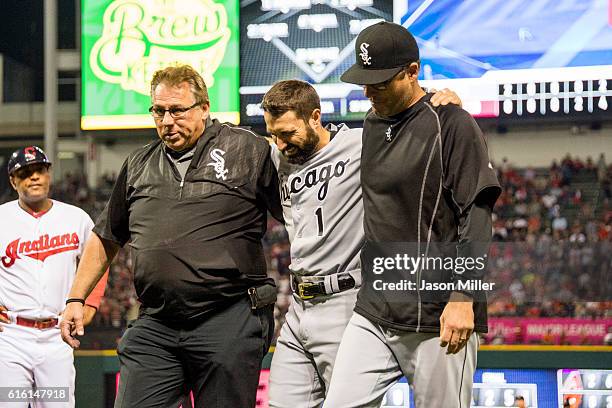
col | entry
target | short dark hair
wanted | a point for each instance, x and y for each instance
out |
(291, 95)
(176, 74)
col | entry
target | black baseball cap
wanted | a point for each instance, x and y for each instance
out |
(26, 156)
(381, 51)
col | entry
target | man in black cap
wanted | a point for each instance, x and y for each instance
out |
(426, 180)
(40, 242)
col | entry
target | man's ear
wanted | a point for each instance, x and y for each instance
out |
(13, 182)
(413, 70)
(206, 109)
(315, 119)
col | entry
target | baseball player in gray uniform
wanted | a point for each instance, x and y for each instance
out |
(320, 186)
(319, 172)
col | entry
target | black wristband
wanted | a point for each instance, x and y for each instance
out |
(73, 300)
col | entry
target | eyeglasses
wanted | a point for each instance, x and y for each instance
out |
(382, 86)
(175, 112)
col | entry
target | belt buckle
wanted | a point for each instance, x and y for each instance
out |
(302, 286)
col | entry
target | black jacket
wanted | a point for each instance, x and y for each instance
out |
(196, 243)
(428, 189)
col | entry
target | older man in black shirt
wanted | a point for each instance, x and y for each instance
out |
(193, 206)
(428, 191)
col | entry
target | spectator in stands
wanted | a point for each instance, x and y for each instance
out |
(602, 169)
(608, 337)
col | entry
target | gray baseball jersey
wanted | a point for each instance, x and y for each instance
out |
(322, 205)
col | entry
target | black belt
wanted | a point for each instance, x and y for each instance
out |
(308, 287)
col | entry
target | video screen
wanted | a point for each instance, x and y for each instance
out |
(516, 59)
(304, 39)
(506, 60)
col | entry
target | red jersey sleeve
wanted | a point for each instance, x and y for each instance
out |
(96, 294)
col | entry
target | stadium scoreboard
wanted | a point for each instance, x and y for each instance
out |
(585, 388)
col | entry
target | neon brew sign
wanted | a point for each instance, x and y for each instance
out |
(141, 36)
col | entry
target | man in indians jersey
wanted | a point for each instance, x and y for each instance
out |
(319, 169)
(40, 242)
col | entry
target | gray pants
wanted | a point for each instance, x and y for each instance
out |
(306, 349)
(371, 359)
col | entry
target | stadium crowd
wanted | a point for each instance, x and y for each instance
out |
(553, 240)
(551, 256)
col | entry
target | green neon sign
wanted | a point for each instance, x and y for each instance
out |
(124, 42)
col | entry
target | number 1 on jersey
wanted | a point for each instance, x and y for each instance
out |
(319, 213)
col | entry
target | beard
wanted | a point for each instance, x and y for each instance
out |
(300, 154)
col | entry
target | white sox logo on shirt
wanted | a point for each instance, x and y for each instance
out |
(219, 163)
(313, 177)
(40, 249)
(388, 134)
(367, 60)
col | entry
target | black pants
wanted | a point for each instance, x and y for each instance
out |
(218, 359)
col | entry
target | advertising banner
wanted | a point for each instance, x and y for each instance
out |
(548, 330)
(124, 42)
